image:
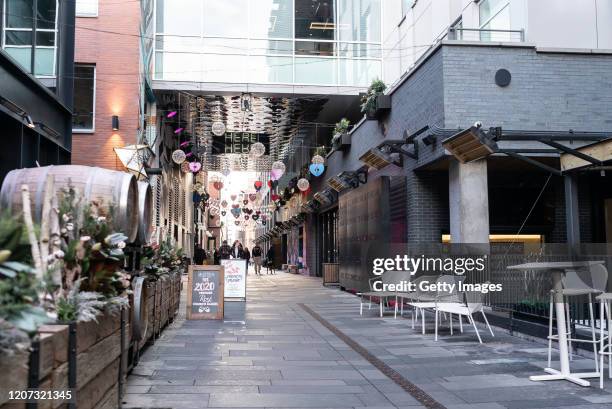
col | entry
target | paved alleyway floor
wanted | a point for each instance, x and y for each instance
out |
(273, 352)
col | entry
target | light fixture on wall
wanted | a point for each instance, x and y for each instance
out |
(28, 119)
(115, 122)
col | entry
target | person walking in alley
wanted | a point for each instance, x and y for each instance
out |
(270, 260)
(225, 251)
(246, 254)
(256, 252)
(199, 255)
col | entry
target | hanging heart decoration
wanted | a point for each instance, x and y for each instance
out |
(258, 185)
(316, 169)
(274, 197)
(233, 197)
(236, 212)
(252, 197)
(237, 222)
(245, 202)
(276, 174)
(235, 206)
(255, 217)
(218, 185)
(195, 166)
(247, 210)
(246, 217)
(272, 184)
(224, 203)
(263, 222)
(223, 213)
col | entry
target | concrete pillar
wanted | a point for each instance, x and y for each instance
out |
(468, 202)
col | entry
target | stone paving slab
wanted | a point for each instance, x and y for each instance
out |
(271, 353)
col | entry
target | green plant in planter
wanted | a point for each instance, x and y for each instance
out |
(19, 301)
(368, 101)
(340, 129)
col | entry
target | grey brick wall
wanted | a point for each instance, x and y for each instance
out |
(547, 92)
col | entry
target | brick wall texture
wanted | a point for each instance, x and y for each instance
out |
(116, 57)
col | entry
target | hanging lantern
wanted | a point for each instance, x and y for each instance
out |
(195, 167)
(277, 170)
(303, 184)
(318, 159)
(185, 167)
(258, 149)
(218, 128)
(178, 156)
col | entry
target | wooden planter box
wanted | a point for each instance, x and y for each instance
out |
(97, 358)
(331, 274)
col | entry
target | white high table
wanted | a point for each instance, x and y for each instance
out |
(558, 269)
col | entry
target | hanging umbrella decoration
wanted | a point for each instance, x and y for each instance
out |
(303, 184)
(179, 156)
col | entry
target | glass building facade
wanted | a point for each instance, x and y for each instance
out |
(310, 42)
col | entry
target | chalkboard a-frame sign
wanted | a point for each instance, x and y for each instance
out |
(205, 292)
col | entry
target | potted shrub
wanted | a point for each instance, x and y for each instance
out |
(341, 139)
(375, 103)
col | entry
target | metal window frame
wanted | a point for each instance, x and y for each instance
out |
(93, 122)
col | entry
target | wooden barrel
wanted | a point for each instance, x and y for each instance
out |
(110, 188)
(145, 204)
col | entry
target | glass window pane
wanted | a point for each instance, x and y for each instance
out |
(44, 61)
(84, 92)
(179, 66)
(318, 71)
(226, 18)
(271, 47)
(45, 17)
(500, 22)
(271, 69)
(45, 38)
(488, 8)
(314, 48)
(271, 18)
(19, 13)
(225, 46)
(18, 37)
(360, 50)
(224, 68)
(23, 55)
(359, 20)
(359, 72)
(182, 17)
(314, 19)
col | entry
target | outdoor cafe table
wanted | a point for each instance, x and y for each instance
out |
(557, 270)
